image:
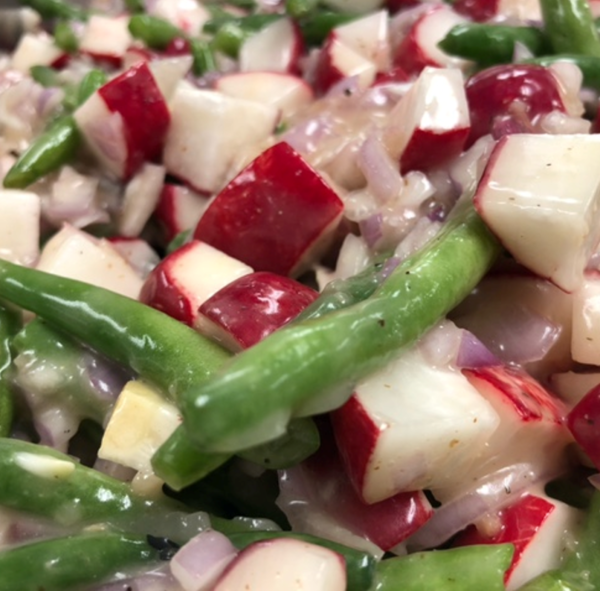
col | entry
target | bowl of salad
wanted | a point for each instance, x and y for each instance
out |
(299, 294)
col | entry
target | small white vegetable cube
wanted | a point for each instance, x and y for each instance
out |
(419, 426)
(106, 37)
(77, 255)
(35, 50)
(19, 226)
(140, 423)
(585, 338)
(540, 195)
(207, 130)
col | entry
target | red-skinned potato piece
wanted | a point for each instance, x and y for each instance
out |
(419, 47)
(179, 208)
(509, 98)
(250, 308)
(537, 526)
(430, 125)
(185, 278)
(276, 215)
(320, 486)
(125, 122)
(583, 421)
(284, 563)
(136, 97)
(485, 10)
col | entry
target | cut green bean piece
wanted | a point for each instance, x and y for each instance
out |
(89, 84)
(155, 32)
(360, 566)
(45, 76)
(460, 569)
(315, 27)
(135, 6)
(570, 27)
(251, 400)
(204, 57)
(556, 580)
(489, 44)
(68, 563)
(47, 153)
(300, 8)
(56, 9)
(65, 38)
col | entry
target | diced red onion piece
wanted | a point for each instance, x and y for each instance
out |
(594, 480)
(472, 353)
(371, 229)
(198, 563)
(382, 174)
(500, 490)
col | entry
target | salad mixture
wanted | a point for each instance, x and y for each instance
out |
(300, 294)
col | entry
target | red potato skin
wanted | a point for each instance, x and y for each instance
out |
(519, 525)
(529, 400)
(255, 305)
(272, 213)
(386, 523)
(409, 55)
(161, 293)
(166, 212)
(583, 422)
(326, 73)
(137, 98)
(356, 451)
(428, 149)
(491, 94)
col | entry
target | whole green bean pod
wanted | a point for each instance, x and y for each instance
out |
(155, 32)
(9, 325)
(252, 399)
(360, 566)
(68, 563)
(570, 27)
(55, 147)
(471, 568)
(488, 44)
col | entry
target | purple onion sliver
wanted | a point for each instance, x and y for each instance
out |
(472, 353)
(389, 266)
(371, 229)
(594, 480)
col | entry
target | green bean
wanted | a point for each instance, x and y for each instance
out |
(55, 147)
(489, 44)
(556, 580)
(45, 76)
(180, 463)
(56, 9)
(460, 569)
(588, 64)
(570, 27)
(155, 32)
(204, 57)
(360, 566)
(341, 293)
(315, 27)
(9, 324)
(89, 84)
(300, 8)
(261, 388)
(135, 6)
(68, 563)
(65, 38)
(161, 350)
(47, 153)
(39, 345)
(42, 481)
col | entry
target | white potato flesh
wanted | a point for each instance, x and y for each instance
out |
(77, 255)
(540, 195)
(19, 226)
(207, 130)
(585, 338)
